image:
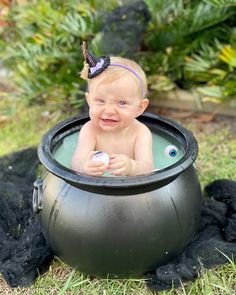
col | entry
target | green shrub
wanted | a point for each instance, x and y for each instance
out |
(187, 44)
(183, 45)
(42, 48)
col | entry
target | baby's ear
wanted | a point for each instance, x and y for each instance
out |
(87, 96)
(142, 106)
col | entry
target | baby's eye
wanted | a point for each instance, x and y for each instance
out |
(99, 100)
(122, 102)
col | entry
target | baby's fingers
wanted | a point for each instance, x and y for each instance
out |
(120, 171)
(96, 171)
(116, 164)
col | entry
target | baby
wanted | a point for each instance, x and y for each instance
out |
(116, 97)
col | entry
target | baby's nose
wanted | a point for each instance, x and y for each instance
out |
(110, 108)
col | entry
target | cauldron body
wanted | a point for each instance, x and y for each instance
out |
(114, 226)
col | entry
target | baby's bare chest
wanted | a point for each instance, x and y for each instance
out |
(117, 145)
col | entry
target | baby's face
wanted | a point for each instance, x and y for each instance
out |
(115, 105)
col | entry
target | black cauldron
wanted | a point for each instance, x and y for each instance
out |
(118, 226)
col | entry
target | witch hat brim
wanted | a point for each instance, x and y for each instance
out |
(96, 65)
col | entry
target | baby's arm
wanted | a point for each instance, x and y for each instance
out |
(143, 163)
(82, 159)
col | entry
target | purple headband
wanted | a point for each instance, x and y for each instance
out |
(96, 65)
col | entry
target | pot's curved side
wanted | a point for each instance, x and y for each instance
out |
(122, 236)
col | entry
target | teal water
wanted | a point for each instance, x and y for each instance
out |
(162, 148)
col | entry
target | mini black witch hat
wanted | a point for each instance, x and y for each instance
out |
(93, 65)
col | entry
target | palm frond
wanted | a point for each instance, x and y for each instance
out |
(232, 37)
(211, 91)
(228, 55)
(164, 11)
(221, 3)
(187, 23)
(203, 67)
(223, 90)
(42, 48)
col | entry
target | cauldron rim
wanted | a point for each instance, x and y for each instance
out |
(117, 185)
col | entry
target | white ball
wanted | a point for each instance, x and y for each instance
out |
(100, 156)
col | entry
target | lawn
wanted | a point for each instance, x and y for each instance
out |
(22, 127)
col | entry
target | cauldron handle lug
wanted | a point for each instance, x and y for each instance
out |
(38, 195)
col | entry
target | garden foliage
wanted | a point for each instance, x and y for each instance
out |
(192, 44)
(186, 44)
(41, 46)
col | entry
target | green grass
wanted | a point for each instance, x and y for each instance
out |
(23, 127)
(217, 150)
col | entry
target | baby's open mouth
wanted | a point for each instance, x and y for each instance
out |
(109, 120)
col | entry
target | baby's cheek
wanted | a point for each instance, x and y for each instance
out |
(93, 114)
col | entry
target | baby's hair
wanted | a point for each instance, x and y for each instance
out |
(113, 72)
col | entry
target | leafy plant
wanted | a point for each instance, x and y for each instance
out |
(185, 38)
(200, 67)
(42, 48)
(222, 3)
(179, 22)
(221, 86)
(188, 43)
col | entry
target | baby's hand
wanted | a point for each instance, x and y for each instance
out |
(120, 164)
(93, 166)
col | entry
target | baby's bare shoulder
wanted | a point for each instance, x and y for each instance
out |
(88, 129)
(142, 129)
